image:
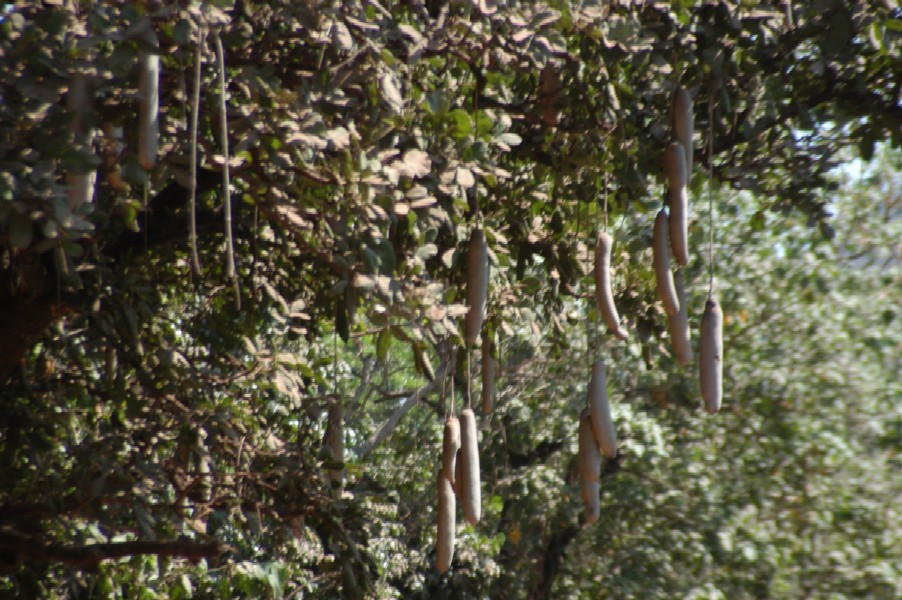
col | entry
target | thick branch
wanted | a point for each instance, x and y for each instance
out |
(551, 563)
(17, 548)
(24, 321)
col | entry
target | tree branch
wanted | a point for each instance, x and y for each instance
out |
(404, 408)
(552, 557)
(539, 454)
(17, 548)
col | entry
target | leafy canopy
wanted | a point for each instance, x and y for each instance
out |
(147, 419)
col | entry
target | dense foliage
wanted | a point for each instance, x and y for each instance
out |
(168, 433)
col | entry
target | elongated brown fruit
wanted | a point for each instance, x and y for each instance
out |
(675, 165)
(488, 376)
(477, 285)
(604, 296)
(458, 476)
(678, 199)
(79, 102)
(469, 447)
(450, 446)
(335, 438)
(549, 94)
(203, 482)
(683, 123)
(204, 485)
(149, 107)
(422, 363)
(678, 324)
(447, 523)
(589, 457)
(661, 259)
(81, 188)
(600, 410)
(710, 356)
(590, 491)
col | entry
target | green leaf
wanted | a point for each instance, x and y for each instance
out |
(342, 325)
(757, 221)
(383, 342)
(462, 125)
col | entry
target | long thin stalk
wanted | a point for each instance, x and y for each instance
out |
(710, 193)
(192, 183)
(226, 186)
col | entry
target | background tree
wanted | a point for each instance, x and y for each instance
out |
(157, 437)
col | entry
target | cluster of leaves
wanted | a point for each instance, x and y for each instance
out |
(366, 142)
